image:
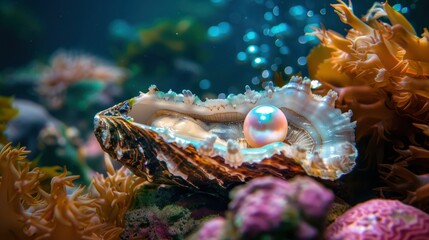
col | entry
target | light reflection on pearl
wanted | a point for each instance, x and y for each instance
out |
(263, 125)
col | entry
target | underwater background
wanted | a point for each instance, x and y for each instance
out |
(62, 62)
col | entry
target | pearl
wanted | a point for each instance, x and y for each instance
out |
(263, 125)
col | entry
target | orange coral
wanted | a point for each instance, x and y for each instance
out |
(67, 211)
(381, 72)
(374, 53)
(67, 68)
(17, 191)
(114, 193)
(63, 215)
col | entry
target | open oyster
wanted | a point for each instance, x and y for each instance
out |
(178, 139)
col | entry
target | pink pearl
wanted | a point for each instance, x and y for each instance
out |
(263, 125)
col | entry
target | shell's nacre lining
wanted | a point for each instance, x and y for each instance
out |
(264, 124)
(177, 138)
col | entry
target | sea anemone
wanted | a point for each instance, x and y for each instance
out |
(376, 58)
(68, 68)
(114, 193)
(66, 211)
(381, 72)
(18, 191)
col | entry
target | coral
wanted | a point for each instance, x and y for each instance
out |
(7, 112)
(66, 211)
(17, 189)
(48, 139)
(380, 219)
(413, 184)
(381, 72)
(114, 193)
(211, 230)
(269, 207)
(170, 222)
(68, 68)
(63, 215)
(169, 212)
(375, 65)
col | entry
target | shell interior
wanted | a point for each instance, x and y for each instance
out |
(320, 138)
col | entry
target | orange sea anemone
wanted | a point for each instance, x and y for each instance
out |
(66, 211)
(114, 193)
(389, 57)
(381, 71)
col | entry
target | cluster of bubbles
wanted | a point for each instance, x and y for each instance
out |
(219, 32)
(282, 41)
(274, 37)
(402, 9)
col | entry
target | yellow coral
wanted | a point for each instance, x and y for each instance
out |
(7, 112)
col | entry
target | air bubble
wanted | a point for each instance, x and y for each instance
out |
(298, 12)
(242, 56)
(250, 37)
(268, 16)
(274, 67)
(252, 49)
(284, 50)
(265, 74)
(255, 81)
(259, 62)
(278, 43)
(276, 11)
(205, 84)
(302, 60)
(288, 70)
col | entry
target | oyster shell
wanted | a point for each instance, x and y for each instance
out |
(178, 139)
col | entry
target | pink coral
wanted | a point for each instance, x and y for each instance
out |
(211, 230)
(273, 208)
(380, 219)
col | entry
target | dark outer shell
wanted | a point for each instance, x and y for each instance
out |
(124, 135)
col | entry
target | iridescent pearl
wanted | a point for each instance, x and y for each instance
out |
(263, 125)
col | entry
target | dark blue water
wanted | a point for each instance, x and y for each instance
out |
(220, 62)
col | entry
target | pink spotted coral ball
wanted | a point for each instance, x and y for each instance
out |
(380, 219)
(211, 230)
